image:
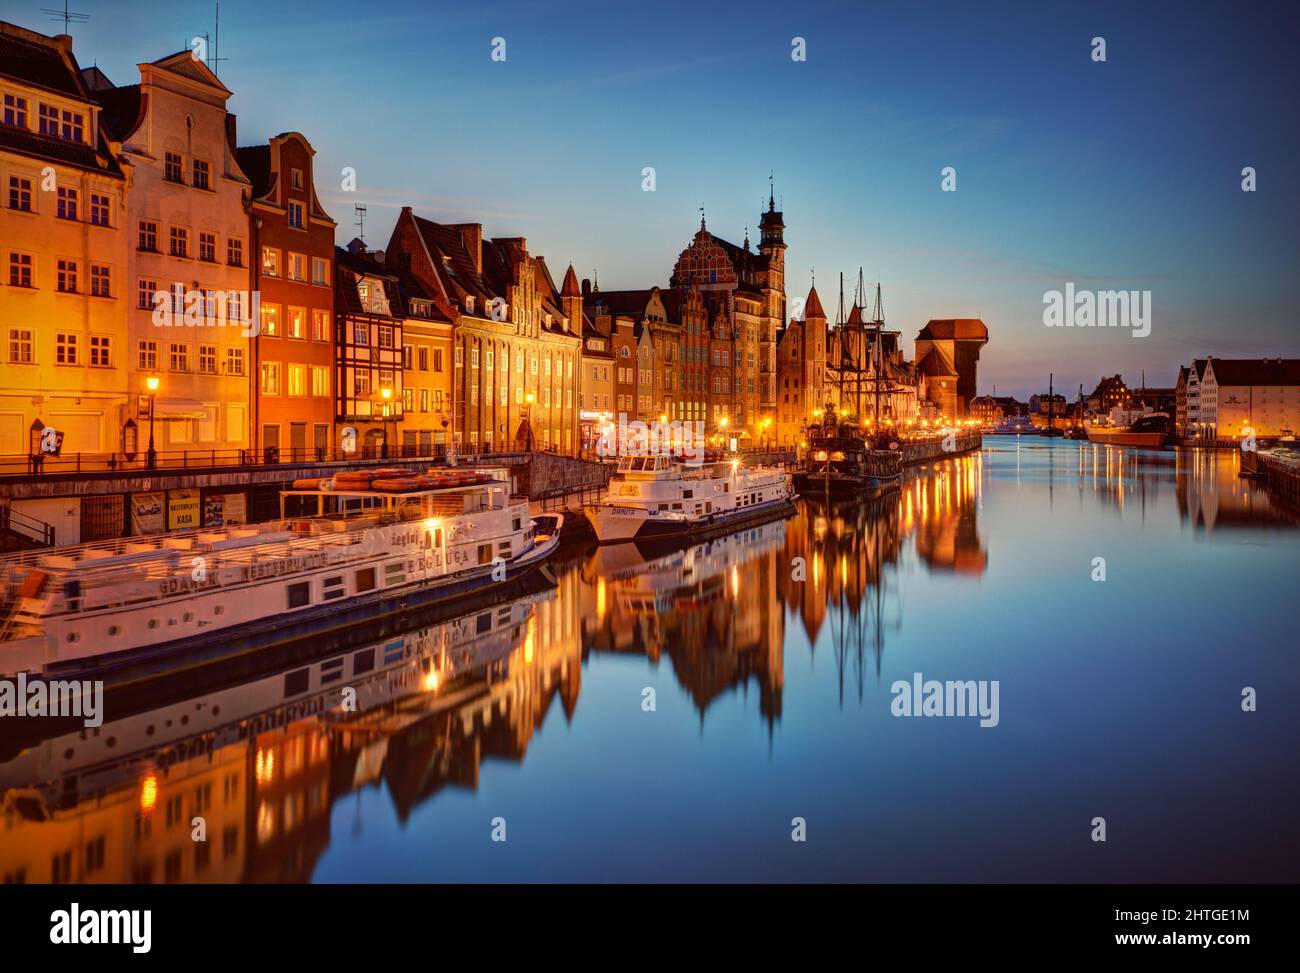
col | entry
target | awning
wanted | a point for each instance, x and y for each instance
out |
(180, 409)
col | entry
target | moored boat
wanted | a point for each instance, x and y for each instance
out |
(338, 555)
(840, 461)
(659, 496)
(1150, 431)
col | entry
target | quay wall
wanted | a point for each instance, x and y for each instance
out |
(920, 452)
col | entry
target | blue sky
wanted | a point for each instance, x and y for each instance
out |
(1117, 174)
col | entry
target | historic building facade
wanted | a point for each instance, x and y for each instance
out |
(947, 353)
(64, 284)
(516, 367)
(744, 294)
(368, 376)
(191, 315)
(292, 243)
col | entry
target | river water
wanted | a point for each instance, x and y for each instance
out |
(661, 714)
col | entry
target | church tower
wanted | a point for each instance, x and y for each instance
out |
(772, 246)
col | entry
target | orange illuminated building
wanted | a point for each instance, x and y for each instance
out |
(292, 239)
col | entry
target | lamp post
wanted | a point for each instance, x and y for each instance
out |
(386, 395)
(151, 455)
(529, 399)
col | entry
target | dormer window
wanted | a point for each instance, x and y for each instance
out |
(15, 111)
(469, 301)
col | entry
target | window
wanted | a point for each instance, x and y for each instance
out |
(208, 247)
(360, 334)
(67, 207)
(234, 306)
(199, 174)
(147, 237)
(320, 380)
(320, 271)
(297, 266)
(67, 280)
(208, 359)
(172, 168)
(20, 193)
(320, 325)
(20, 270)
(234, 361)
(365, 581)
(271, 319)
(297, 379)
(473, 358)
(49, 120)
(179, 356)
(424, 359)
(299, 595)
(180, 241)
(270, 262)
(70, 128)
(361, 383)
(297, 322)
(100, 277)
(20, 346)
(101, 351)
(408, 399)
(295, 215)
(437, 359)
(65, 348)
(15, 111)
(144, 292)
(99, 209)
(408, 353)
(270, 378)
(235, 252)
(424, 399)
(148, 355)
(295, 178)
(385, 336)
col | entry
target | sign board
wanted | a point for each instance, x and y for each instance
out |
(224, 509)
(182, 509)
(147, 513)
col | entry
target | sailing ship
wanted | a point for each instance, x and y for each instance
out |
(1078, 430)
(354, 547)
(662, 496)
(1050, 429)
(846, 453)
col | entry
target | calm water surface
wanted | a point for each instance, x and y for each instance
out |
(770, 656)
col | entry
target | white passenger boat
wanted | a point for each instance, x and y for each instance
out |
(659, 496)
(345, 550)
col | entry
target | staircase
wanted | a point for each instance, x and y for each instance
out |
(19, 532)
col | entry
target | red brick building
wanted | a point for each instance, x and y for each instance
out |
(292, 241)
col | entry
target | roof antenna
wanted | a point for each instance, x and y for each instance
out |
(360, 210)
(67, 16)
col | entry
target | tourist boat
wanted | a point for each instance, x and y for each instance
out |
(651, 578)
(661, 496)
(344, 551)
(1150, 431)
(418, 665)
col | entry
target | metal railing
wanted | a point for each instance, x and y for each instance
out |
(24, 465)
(17, 522)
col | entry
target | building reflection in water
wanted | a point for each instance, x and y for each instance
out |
(271, 764)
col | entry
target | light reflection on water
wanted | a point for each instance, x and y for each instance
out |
(770, 655)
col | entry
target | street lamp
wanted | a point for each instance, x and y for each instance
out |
(529, 399)
(151, 455)
(386, 394)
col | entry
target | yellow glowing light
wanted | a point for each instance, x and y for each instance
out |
(264, 766)
(432, 679)
(385, 393)
(664, 418)
(529, 639)
(152, 383)
(530, 398)
(148, 793)
(723, 422)
(600, 598)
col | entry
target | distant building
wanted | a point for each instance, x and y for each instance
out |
(369, 313)
(801, 373)
(1228, 398)
(986, 410)
(947, 354)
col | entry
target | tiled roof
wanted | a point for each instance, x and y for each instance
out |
(35, 59)
(1256, 371)
(121, 110)
(812, 307)
(49, 149)
(935, 364)
(255, 160)
(955, 329)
